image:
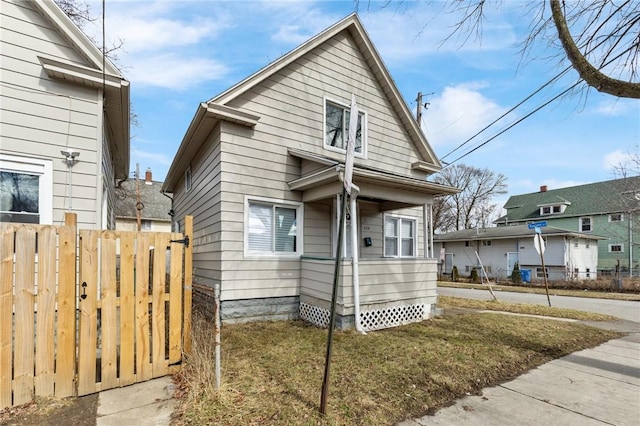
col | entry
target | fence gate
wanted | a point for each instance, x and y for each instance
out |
(126, 319)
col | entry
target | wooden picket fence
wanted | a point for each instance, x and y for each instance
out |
(82, 312)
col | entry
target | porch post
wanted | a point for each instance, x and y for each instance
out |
(427, 230)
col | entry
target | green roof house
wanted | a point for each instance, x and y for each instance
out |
(610, 209)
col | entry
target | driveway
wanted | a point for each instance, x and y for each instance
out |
(623, 309)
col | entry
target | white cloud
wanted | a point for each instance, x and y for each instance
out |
(617, 107)
(153, 156)
(172, 71)
(618, 159)
(458, 113)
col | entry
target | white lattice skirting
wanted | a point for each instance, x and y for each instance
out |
(315, 315)
(376, 319)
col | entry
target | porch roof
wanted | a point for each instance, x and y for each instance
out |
(372, 183)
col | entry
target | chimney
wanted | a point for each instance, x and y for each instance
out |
(543, 188)
(147, 177)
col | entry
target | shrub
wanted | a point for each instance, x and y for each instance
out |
(474, 275)
(516, 278)
(454, 274)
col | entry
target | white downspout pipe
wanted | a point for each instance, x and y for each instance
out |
(355, 276)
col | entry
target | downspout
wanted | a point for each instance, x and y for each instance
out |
(355, 275)
(354, 258)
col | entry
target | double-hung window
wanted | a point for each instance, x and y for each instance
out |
(399, 237)
(26, 190)
(585, 224)
(272, 228)
(336, 128)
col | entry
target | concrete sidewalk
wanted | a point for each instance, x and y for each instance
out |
(598, 386)
(142, 404)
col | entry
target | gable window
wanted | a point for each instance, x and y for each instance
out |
(585, 224)
(616, 217)
(187, 179)
(272, 228)
(399, 237)
(336, 128)
(616, 248)
(26, 190)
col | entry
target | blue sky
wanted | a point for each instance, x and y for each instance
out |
(177, 54)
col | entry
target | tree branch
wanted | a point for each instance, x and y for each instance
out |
(590, 74)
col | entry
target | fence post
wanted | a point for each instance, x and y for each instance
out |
(188, 283)
(67, 319)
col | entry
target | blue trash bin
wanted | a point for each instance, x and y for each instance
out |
(525, 275)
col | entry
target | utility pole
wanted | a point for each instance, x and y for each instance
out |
(419, 110)
(138, 204)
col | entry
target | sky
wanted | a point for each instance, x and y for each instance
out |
(177, 54)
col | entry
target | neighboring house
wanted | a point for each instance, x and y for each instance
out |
(58, 94)
(568, 255)
(155, 206)
(261, 167)
(610, 209)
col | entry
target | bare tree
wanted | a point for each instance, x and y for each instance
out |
(628, 167)
(472, 206)
(600, 38)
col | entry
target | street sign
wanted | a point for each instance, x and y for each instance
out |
(537, 224)
(539, 244)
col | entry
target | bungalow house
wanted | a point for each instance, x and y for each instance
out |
(64, 120)
(145, 196)
(610, 209)
(568, 254)
(260, 169)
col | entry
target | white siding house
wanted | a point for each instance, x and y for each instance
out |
(568, 254)
(58, 94)
(260, 169)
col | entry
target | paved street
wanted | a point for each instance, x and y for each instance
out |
(627, 310)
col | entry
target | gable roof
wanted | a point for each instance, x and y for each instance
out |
(156, 205)
(508, 232)
(612, 196)
(354, 27)
(98, 72)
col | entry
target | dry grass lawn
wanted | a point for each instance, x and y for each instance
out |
(272, 371)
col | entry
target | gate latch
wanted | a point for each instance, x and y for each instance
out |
(184, 241)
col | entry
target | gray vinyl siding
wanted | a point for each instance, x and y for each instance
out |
(317, 225)
(39, 116)
(291, 107)
(203, 202)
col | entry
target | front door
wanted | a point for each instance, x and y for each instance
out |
(512, 259)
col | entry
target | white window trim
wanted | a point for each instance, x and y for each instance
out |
(44, 168)
(619, 251)
(415, 236)
(621, 217)
(188, 179)
(365, 128)
(299, 226)
(590, 223)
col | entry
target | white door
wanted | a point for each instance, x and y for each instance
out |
(512, 258)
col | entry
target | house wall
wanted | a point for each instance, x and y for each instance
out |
(582, 256)
(560, 256)
(616, 232)
(203, 202)
(127, 224)
(239, 162)
(40, 116)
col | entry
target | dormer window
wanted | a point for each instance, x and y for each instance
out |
(336, 129)
(552, 209)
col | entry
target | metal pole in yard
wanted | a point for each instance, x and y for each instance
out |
(540, 249)
(334, 296)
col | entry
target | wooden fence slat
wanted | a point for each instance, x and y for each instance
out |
(175, 301)
(160, 362)
(46, 298)
(87, 345)
(127, 309)
(24, 306)
(6, 314)
(188, 283)
(143, 349)
(66, 325)
(108, 312)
